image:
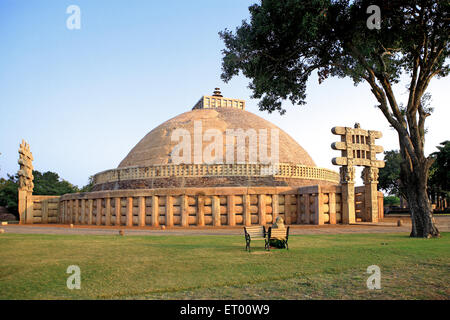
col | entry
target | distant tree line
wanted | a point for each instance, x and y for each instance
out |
(47, 184)
(438, 178)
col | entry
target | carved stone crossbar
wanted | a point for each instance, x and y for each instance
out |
(357, 146)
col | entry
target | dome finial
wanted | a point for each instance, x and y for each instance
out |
(217, 93)
(218, 101)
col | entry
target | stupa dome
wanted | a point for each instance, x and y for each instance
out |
(156, 147)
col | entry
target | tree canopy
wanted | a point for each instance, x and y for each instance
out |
(439, 181)
(286, 41)
(9, 193)
(50, 184)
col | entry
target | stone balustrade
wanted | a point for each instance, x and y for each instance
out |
(282, 170)
(44, 209)
(229, 206)
(184, 207)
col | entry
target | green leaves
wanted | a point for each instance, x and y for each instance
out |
(389, 176)
(49, 183)
(440, 169)
(276, 50)
(286, 40)
(439, 173)
(9, 193)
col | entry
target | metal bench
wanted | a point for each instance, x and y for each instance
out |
(255, 233)
(275, 233)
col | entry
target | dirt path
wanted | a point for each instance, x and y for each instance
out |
(388, 225)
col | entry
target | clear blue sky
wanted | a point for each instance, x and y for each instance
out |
(83, 98)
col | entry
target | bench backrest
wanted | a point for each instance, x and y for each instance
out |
(258, 232)
(279, 233)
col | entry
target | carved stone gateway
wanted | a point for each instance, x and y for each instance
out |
(358, 149)
(26, 185)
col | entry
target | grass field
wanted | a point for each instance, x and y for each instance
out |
(217, 267)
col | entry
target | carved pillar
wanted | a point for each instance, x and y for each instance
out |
(91, 209)
(24, 207)
(318, 208)
(107, 211)
(169, 211)
(299, 208)
(77, 212)
(231, 210)
(83, 211)
(72, 211)
(332, 207)
(370, 178)
(247, 215)
(287, 211)
(44, 209)
(117, 209)
(275, 207)
(26, 186)
(129, 221)
(201, 210)
(307, 203)
(216, 211)
(141, 202)
(98, 216)
(184, 211)
(155, 211)
(262, 209)
(348, 194)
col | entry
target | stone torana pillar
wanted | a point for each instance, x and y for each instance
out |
(348, 194)
(370, 178)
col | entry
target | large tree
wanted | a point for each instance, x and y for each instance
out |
(287, 40)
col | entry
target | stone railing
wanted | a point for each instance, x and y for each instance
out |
(319, 205)
(282, 170)
(228, 206)
(43, 209)
(184, 207)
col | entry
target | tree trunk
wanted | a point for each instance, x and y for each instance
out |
(415, 189)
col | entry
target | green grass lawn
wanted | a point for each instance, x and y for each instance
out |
(217, 267)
